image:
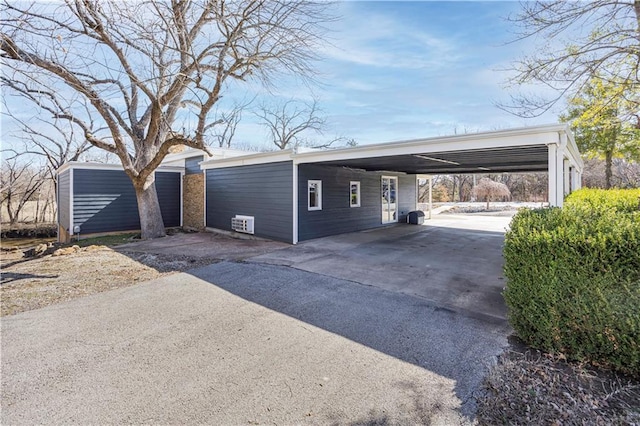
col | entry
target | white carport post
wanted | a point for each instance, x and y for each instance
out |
(557, 175)
(567, 177)
(552, 163)
(576, 178)
(558, 172)
(430, 195)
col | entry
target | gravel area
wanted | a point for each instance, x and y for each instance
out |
(28, 283)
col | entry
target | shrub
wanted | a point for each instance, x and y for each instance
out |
(573, 278)
(620, 200)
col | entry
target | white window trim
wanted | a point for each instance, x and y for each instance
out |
(357, 183)
(318, 195)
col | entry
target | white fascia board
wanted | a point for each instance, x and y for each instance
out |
(432, 146)
(573, 150)
(526, 136)
(247, 160)
(104, 166)
(229, 152)
(170, 169)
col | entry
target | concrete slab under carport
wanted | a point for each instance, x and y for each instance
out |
(454, 261)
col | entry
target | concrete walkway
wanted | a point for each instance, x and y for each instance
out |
(237, 343)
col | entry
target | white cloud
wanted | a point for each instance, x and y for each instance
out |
(380, 41)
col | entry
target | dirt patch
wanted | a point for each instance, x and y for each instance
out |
(528, 387)
(34, 282)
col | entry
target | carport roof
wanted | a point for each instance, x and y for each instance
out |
(514, 150)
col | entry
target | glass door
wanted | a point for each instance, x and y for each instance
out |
(389, 199)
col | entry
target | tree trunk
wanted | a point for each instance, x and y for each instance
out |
(35, 218)
(607, 169)
(12, 217)
(487, 202)
(151, 223)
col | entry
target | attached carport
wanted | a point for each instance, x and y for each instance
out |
(549, 148)
(297, 195)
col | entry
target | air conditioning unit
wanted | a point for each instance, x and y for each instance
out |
(242, 224)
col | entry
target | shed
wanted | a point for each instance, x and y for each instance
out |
(99, 199)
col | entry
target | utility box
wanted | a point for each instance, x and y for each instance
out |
(415, 217)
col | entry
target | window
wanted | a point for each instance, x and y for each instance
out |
(354, 194)
(315, 195)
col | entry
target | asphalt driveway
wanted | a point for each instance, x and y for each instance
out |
(391, 326)
(245, 343)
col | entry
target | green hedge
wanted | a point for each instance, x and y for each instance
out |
(573, 278)
(619, 200)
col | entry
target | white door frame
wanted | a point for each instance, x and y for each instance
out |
(382, 178)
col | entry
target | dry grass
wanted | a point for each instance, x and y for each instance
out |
(530, 388)
(34, 282)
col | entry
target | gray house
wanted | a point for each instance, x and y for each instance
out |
(297, 195)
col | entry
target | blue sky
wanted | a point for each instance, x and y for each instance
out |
(404, 70)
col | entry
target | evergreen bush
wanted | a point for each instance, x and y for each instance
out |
(573, 278)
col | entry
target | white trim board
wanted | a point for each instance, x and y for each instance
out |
(104, 166)
(527, 136)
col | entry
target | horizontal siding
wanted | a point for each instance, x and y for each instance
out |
(191, 165)
(105, 201)
(337, 216)
(64, 195)
(168, 185)
(264, 191)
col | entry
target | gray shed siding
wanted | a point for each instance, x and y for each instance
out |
(264, 191)
(191, 165)
(336, 216)
(169, 187)
(105, 201)
(64, 195)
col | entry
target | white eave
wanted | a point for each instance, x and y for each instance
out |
(104, 166)
(248, 159)
(526, 136)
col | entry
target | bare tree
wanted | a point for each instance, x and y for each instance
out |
(19, 182)
(288, 121)
(151, 71)
(224, 133)
(54, 140)
(489, 190)
(601, 37)
(335, 142)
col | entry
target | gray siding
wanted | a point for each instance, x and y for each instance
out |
(191, 165)
(336, 216)
(105, 201)
(64, 184)
(169, 186)
(264, 191)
